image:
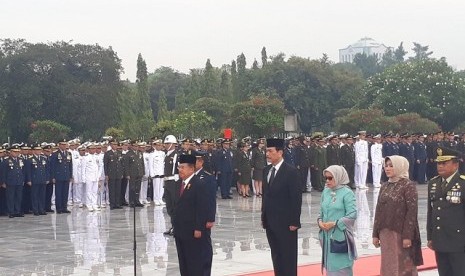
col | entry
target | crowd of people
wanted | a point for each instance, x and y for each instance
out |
(186, 176)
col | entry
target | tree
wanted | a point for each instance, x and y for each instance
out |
(368, 64)
(162, 107)
(255, 65)
(420, 51)
(47, 130)
(143, 108)
(428, 87)
(264, 57)
(193, 124)
(371, 120)
(258, 116)
(399, 53)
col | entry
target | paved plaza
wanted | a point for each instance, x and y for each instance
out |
(101, 243)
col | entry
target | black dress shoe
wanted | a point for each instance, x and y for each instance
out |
(66, 211)
(11, 216)
(36, 214)
(112, 208)
(19, 215)
(43, 213)
(119, 207)
(49, 211)
(168, 232)
(125, 204)
(58, 212)
(139, 205)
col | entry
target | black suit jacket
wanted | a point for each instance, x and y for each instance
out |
(282, 200)
(191, 208)
(446, 214)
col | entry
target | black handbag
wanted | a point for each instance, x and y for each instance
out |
(337, 246)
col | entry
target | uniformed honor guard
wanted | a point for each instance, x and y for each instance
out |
(361, 161)
(171, 189)
(113, 173)
(377, 160)
(446, 214)
(224, 168)
(61, 172)
(13, 171)
(348, 159)
(190, 219)
(47, 150)
(37, 176)
(133, 170)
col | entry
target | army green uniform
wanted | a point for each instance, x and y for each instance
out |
(332, 154)
(113, 168)
(133, 167)
(348, 161)
(446, 223)
(318, 164)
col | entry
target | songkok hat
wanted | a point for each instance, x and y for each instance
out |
(275, 143)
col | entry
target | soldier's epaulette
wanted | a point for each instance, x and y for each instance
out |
(435, 177)
(462, 176)
(207, 173)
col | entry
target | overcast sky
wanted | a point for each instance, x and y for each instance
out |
(182, 34)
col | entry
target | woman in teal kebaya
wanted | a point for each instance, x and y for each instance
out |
(338, 212)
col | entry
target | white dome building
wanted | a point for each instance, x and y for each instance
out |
(366, 46)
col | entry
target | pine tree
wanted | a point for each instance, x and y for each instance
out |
(264, 57)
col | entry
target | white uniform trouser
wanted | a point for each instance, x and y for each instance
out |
(104, 197)
(71, 193)
(361, 170)
(91, 194)
(158, 189)
(377, 170)
(144, 185)
(78, 192)
(126, 195)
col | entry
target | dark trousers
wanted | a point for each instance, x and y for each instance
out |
(3, 206)
(14, 195)
(190, 261)
(48, 196)
(171, 195)
(283, 245)
(450, 264)
(38, 197)
(420, 172)
(114, 189)
(225, 180)
(207, 253)
(26, 205)
(304, 175)
(134, 190)
(317, 183)
(431, 170)
(124, 185)
(61, 195)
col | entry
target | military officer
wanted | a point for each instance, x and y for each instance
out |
(258, 163)
(377, 160)
(47, 150)
(133, 170)
(421, 159)
(224, 168)
(171, 189)
(3, 206)
(348, 159)
(318, 164)
(446, 214)
(62, 174)
(361, 160)
(13, 171)
(37, 177)
(158, 167)
(113, 173)
(332, 151)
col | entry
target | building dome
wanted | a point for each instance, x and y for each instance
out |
(365, 42)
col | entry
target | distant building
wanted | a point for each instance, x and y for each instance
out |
(365, 45)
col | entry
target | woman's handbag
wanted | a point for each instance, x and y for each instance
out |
(337, 246)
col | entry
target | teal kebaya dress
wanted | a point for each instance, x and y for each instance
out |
(338, 205)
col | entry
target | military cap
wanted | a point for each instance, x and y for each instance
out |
(219, 140)
(446, 154)
(204, 141)
(377, 136)
(37, 147)
(199, 153)
(63, 142)
(15, 148)
(187, 159)
(227, 140)
(362, 132)
(25, 146)
(157, 141)
(187, 140)
(47, 147)
(81, 148)
(113, 142)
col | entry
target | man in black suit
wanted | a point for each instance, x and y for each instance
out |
(190, 219)
(446, 213)
(281, 208)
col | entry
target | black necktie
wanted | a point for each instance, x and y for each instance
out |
(183, 184)
(273, 172)
(443, 185)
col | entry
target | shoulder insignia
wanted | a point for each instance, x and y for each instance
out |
(437, 176)
(462, 176)
(207, 173)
